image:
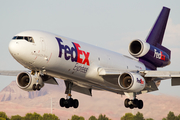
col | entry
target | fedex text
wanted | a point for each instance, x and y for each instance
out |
(73, 53)
(79, 68)
(159, 55)
(140, 81)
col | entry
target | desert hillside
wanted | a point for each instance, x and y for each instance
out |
(16, 101)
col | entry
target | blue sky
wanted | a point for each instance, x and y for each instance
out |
(111, 24)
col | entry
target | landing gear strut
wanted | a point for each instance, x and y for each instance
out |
(135, 103)
(69, 102)
(39, 83)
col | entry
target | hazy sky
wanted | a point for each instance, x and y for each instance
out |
(110, 24)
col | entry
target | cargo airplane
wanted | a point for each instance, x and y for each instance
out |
(85, 67)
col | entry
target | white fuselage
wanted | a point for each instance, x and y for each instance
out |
(66, 60)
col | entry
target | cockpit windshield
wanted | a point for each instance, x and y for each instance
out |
(27, 38)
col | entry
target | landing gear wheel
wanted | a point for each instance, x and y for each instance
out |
(70, 102)
(38, 87)
(67, 103)
(75, 103)
(34, 87)
(140, 104)
(67, 106)
(126, 103)
(131, 106)
(133, 103)
(61, 102)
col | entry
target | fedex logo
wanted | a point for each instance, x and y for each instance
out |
(73, 53)
(140, 81)
(159, 55)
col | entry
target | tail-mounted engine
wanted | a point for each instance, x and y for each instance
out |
(131, 82)
(150, 55)
(29, 82)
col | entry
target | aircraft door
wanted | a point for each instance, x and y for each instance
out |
(43, 44)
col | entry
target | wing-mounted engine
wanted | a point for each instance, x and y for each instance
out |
(131, 82)
(29, 82)
(150, 55)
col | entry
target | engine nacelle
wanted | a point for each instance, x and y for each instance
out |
(131, 82)
(138, 48)
(26, 81)
(149, 54)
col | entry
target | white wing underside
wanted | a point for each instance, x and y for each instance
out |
(155, 76)
(11, 73)
(113, 73)
(145, 73)
(16, 72)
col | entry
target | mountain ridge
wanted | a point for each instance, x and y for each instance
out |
(16, 101)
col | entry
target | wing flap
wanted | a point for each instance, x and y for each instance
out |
(49, 80)
(76, 87)
(86, 91)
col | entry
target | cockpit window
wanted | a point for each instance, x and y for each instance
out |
(19, 37)
(14, 37)
(27, 38)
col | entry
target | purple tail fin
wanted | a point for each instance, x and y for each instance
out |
(155, 39)
(157, 32)
(156, 35)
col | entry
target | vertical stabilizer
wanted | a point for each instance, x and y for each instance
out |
(156, 35)
(151, 52)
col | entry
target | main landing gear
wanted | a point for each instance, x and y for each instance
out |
(69, 102)
(135, 103)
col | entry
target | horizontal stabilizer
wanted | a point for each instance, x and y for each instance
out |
(175, 81)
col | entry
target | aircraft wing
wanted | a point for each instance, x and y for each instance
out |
(173, 75)
(168, 74)
(154, 75)
(10, 73)
(109, 71)
(46, 79)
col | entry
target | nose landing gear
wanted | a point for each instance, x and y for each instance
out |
(36, 87)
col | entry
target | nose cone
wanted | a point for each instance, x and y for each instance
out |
(16, 50)
(13, 48)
